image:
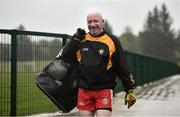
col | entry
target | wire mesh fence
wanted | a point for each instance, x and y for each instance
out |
(23, 54)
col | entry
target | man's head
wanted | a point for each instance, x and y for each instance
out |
(95, 23)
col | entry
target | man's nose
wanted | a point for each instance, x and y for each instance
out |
(92, 24)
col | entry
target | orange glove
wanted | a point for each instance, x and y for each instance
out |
(130, 98)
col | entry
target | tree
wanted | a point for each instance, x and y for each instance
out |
(44, 50)
(21, 27)
(157, 38)
(129, 41)
(108, 27)
(177, 46)
(5, 52)
(54, 50)
(24, 45)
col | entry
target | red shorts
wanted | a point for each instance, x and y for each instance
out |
(94, 99)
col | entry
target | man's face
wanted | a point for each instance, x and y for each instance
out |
(95, 24)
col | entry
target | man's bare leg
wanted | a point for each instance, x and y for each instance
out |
(86, 113)
(103, 113)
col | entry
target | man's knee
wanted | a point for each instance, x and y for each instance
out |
(86, 113)
(103, 112)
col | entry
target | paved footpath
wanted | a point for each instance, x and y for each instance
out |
(159, 99)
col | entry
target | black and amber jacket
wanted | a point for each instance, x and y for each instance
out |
(101, 60)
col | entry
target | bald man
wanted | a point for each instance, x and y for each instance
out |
(101, 60)
(95, 23)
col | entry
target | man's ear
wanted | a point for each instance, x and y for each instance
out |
(103, 22)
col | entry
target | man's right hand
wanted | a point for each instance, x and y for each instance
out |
(80, 34)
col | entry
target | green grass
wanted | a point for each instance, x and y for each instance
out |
(30, 100)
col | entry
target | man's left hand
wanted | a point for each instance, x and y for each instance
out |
(130, 98)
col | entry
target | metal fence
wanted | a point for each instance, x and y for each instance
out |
(148, 69)
(23, 54)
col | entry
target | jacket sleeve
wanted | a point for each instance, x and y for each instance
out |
(120, 66)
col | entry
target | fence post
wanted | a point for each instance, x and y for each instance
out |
(13, 72)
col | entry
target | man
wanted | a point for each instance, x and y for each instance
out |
(101, 60)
